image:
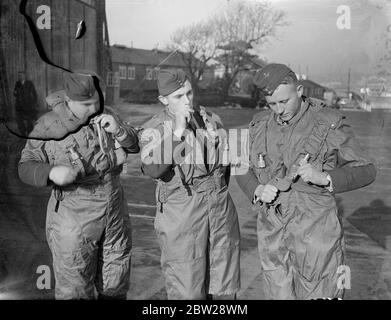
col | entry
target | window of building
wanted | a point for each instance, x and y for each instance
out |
(149, 73)
(131, 73)
(112, 79)
(122, 72)
(155, 73)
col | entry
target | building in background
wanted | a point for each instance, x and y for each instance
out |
(136, 70)
(56, 22)
(312, 89)
(243, 81)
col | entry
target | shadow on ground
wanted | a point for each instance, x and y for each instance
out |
(375, 221)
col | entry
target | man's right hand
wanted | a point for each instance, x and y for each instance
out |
(181, 119)
(266, 193)
(62, 175)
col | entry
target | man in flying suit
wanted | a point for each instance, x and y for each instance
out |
(80, 156)
(196, 221)
(301, 154)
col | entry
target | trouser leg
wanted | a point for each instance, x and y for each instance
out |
(73, 239)
(113, 279)
(182, 232)
(224, 246)
(275, 258)
(318, 246)
(21, 125)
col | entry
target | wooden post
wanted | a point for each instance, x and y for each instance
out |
(4, 88)
(102, 38)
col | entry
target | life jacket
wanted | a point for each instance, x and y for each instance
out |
(186, 172)
(86, 147)
(314, 147)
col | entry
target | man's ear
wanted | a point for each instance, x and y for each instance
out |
(300, 90)
(163, 100)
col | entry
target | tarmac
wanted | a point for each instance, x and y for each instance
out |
(366, 216)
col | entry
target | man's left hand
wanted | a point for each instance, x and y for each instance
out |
(309, 174)
(108, 123)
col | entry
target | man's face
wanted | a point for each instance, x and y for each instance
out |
(83, 109)
(285, 101)
(181, 100)
(21, 76)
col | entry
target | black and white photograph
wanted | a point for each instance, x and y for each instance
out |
(198, 150)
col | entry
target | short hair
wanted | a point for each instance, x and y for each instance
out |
(290, 78)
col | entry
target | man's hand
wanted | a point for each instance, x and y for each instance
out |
(182, 117)
(309, 174)
(266, 193)
(108, 123)
(62, 175)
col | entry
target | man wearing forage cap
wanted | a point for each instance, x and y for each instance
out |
(301, 154)
(196, 221)
(81, 157)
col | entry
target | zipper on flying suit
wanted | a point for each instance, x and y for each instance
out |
(59, 196)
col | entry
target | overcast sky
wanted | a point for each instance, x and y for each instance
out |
(312, 40)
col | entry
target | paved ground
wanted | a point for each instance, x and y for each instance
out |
(366, 216)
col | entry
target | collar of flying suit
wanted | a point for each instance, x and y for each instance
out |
(303, 108)
(169, 115)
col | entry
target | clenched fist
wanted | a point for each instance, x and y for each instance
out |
(182, 117)
(62, 175)
(108, 123)
(266, 193)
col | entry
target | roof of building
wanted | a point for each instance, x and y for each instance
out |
(307, 82)
(123, 54)
(342, 93)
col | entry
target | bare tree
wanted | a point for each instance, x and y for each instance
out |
(239, 28)
(197, 47)
(228, 38)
